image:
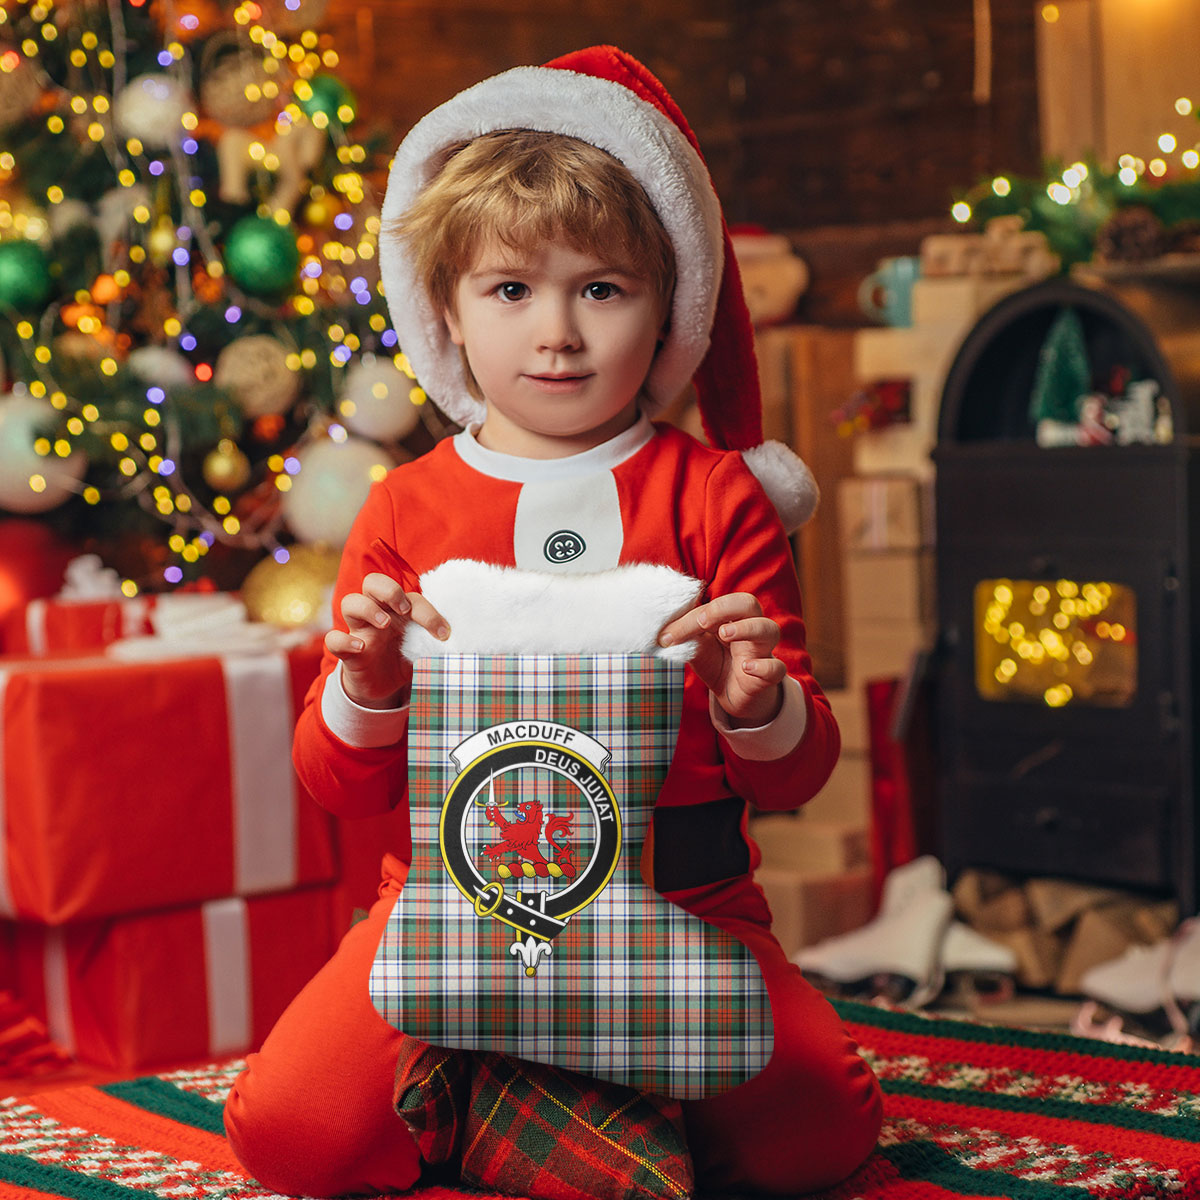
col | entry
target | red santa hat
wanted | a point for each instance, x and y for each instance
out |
(607, 98)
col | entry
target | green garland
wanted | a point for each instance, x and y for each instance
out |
(1071, 228)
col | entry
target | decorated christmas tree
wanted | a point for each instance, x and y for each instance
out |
(197, 367)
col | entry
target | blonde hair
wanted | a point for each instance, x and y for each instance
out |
(521, 188)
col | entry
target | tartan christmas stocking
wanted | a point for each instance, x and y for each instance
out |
(525, 927)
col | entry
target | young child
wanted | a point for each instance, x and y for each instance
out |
(557, 267)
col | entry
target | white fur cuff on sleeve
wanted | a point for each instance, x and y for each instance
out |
(356, 725)
(766, 743)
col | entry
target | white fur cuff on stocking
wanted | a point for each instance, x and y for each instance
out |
(504, 610)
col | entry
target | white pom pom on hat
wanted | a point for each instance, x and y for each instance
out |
(607, 98)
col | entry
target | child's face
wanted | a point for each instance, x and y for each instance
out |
(559, 342)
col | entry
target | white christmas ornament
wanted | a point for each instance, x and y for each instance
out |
(255, 370)
(66, 215)
(332, 483)
(151, 108)
(298, 147)
(162, 366)
(29, 482)
(114, 217)
(375, 400)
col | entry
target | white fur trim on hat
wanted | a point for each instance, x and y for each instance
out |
(604, 114)
(786, 479)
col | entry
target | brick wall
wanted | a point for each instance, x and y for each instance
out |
(810, 113)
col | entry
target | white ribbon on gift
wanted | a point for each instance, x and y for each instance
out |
(227, 975)
(35, 626)
(6, 900)
(258, 699)
(226, 972)
(56, 980)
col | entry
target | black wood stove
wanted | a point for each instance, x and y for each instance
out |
(1068, 656)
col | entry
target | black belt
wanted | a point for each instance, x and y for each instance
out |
(696, 844)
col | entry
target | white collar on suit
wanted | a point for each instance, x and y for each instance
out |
(509, 467)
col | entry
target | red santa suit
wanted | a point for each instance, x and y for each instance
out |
(313, 1111)
(651, 495)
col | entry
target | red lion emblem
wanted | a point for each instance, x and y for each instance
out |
(519, 840)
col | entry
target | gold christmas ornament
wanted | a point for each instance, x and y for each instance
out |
(79, 348)
(161, 242)
(225, 467)
(295, 593)
(20, 88)
(236, 88)
(25, 220)
(255, 370)
(290, 17)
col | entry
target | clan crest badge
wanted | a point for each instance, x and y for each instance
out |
(524, 925)
(534, 862)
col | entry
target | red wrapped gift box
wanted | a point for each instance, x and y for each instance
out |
(131, 786)
(49, 626)
(173, 987)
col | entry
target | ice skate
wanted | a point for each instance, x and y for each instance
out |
(978, 965)
(898, 953)
(1154, 989)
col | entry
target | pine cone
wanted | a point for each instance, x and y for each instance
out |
(1132, 234)
(1184, 238)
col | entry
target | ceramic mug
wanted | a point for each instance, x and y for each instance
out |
(886, 294)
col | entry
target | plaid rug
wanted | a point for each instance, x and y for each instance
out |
(972, 1111)
(525, 926)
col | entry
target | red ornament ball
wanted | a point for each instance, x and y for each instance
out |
(32, 561)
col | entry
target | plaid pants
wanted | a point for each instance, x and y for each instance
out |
(525, 927)
(531, 1130)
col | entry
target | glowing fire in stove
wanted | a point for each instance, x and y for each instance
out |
(1056, 641)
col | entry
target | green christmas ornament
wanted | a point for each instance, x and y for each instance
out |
(262, 256)
(1064, 375)
(24, 275)
(328, 95)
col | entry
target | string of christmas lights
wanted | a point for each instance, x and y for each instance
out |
(1076, 203)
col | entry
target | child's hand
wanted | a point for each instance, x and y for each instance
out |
(374, 673)
(734, 655)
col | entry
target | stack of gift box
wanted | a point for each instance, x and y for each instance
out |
(166, 884)
(886, 523)
(822, 873)
(816, 875)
